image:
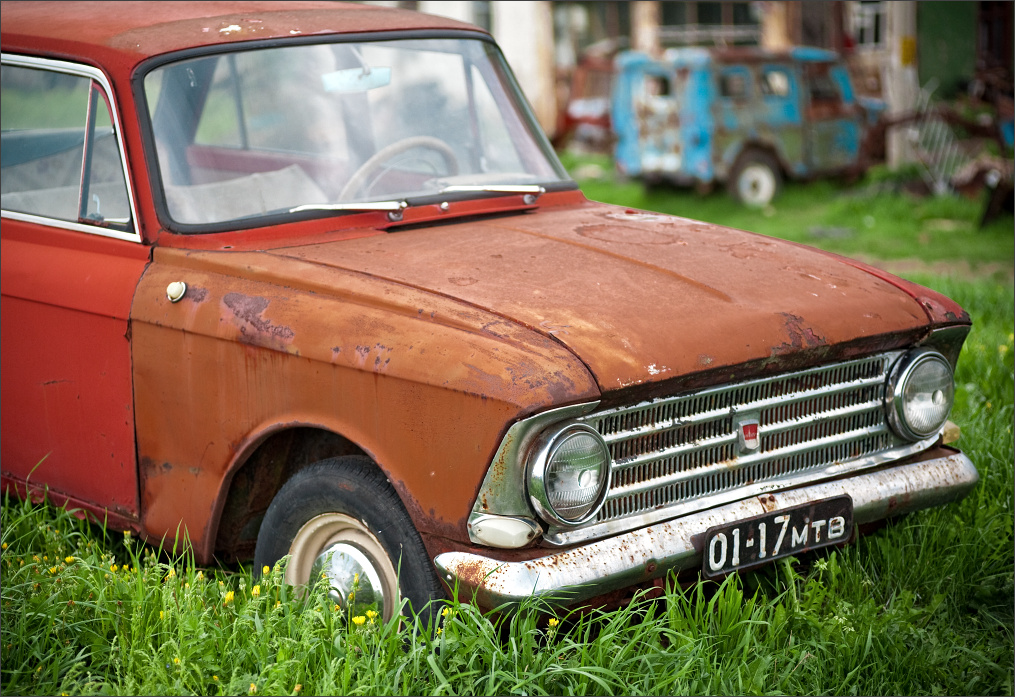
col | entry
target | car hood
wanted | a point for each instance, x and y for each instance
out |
(641, 297)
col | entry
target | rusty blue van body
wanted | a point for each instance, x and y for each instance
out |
(740, 116)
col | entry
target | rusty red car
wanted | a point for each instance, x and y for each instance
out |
(306, 281)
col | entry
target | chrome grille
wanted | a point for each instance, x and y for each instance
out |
(679, 449)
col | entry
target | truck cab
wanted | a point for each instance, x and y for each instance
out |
(742, 117)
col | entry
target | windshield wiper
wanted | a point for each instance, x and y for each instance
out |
(534, 189)
(394, 208)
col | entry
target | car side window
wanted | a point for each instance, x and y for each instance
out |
(735, 84)
(60, 157)
(823, 89)
(775, 82)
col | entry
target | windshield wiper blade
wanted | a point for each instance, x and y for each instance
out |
(497, 189)
(391, 206)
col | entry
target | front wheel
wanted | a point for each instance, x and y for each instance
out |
(756, 179)
(339, 520)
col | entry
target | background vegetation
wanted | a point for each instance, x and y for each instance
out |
(924, 606)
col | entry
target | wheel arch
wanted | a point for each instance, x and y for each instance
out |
(752, 146)
(261, 466)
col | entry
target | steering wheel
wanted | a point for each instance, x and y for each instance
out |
(369, 168)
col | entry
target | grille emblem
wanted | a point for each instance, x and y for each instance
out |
(747, 429)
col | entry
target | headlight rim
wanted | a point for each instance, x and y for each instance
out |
(541, 452)
(894, 394)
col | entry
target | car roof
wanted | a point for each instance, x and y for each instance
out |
(129, 32)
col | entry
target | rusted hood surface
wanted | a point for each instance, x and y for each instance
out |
(639, 297)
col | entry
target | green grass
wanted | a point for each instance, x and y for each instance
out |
(923, 606)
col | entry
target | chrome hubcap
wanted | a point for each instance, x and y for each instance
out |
(343, 552)
(352, 578)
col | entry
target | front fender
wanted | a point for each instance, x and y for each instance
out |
(425, 384)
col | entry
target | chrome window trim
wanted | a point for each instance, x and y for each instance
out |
(93, 73)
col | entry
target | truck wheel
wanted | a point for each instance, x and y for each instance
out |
(340, 520)
(756, 179)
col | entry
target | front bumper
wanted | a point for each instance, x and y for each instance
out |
(591, 570)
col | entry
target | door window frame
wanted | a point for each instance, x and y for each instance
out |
(99, 78)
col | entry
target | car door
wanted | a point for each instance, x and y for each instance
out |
(833, 120)
(70, 261)
(779, 119)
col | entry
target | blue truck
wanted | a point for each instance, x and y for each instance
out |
(743, 117)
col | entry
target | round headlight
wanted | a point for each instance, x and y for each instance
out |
(569, 474)
(920, 394)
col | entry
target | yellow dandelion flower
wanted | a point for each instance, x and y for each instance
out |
(45, 558)
(337, 608)
(229, 597)
(176, 660)
(255, 591)
(253, 689)
(215, 678)
(265, 571)
(4, 545)
(359, 620)
(162, 614)
(298, 687)
(68, 560)
(53, 569)
(371, 614)
(445, 612)
(553, 622)
(186, 585)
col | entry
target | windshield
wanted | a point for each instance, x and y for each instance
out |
(328, 126)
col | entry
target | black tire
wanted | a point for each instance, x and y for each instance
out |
(756, 179)
(342, 503)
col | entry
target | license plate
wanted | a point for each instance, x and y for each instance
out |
(748, 543)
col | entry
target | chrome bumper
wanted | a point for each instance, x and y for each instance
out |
(627, 559)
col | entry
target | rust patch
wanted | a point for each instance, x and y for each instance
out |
(768, 501)
(800, 337)
(196, 294)
(249, 310)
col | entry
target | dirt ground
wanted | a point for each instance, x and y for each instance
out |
(999, 271)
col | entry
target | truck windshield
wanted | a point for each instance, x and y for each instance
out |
(314, 126)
